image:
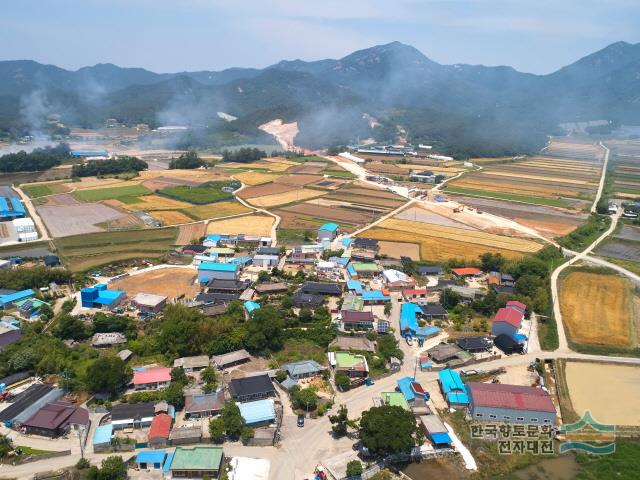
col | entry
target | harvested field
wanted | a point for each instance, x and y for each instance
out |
(292, 221)
(329, 213)
(249, 224)
(566, 149)
(255, 178)
(629, 233)
(188, 233)
(369, 192)
(60, 200)
(164, 182)
(171, 217)
(151, 203)
(418, 214)
(400, 249)
(616, 403)
(123, 223)
(297, 195)
(95, 195)
(461, 235)
(64, 221)
(438, 249)
(220, 209)
(379, 167)
(620, 249)
(298, 180)
(170, 282)
(364, 199)
(499, 195)
(263, 190)
(597, 308)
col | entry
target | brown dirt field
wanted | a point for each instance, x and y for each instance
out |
(400, 249)
(128, 221)
(215, 210)
(540, 177)
(289, 220)
(328, 213)
(379, 167)
(438, 249)
(298, 195)
(364, 200)
(170, 282)
(61, 200)
(189, 232)
(266, 189)
(255, 178)
(370, 192)
(527, 184)
(298, 179)
(597, 308)
(556, 229)
(171, 217)
(622, 391)
(248, 224)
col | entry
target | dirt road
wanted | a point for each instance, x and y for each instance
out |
(274, 227)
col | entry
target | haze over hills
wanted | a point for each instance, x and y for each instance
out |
(464, 109)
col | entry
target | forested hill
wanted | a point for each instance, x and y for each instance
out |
(465, 109)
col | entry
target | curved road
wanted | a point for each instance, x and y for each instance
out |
(274, 227)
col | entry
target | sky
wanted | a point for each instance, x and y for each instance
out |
(178, 35)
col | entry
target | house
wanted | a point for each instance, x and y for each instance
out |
(374, 297)
(307, 300)
(221, 271)
(365, 243)
(321, 288)
(203, 405)
(508, 344)
(395, 399)
(350, 320)
(353, 302)
(302, 258)
(328, 231)
(496, 402)
(251, 307)
(303, 369)
(152, 378)
(353, 365)
(210, 298)
(8, 300)
(383, 326)
(412, 391)
(508, 320)
(361, 344)
(434, 312)
(409, 326)
(271, 288)
(429, 270)
(466, 272)
(196, 462)
(102, 438)
(9, 333)
(159, 431)
(268, 251)
(416, 295)
(148, 303)
(475, 344)
(222, 252)
(26, 403)
(56, 419)
(99, 296)
(251, 388)
(105, 340)
(192, 364)
(266, 261)
(444, 352)
(30, 308)
(468, 294)
(205, 257)
(132, 415)
(150, 459)
(435, 431)
(424, 176)
(363, 270)
(231, 359)
(354, 286)
(453, 388)
(258, 413)
(194, 249)
(395, 280)
(51, 261)
(125, 354)
(363, 255)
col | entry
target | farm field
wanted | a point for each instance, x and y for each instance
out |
(56, 173)
(264, 190)
(149, 203)
(171, 217)
(598, 308)
(83, 252)
(214, 210)
(67, 220)
(170, 282)
(284, 198)
(255, 178)
(188, 233)
(254, 224)
(298, 180)
(206, 193)
(422, 215)
(400, 249)
(112, 193)
(625, 175)
(43, 189)
(622, 391)
(570, 148)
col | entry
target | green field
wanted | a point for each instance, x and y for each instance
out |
(338, 173)
(209, 192)
(111, 193)
(35, 191)
(551, 202)
(83, 252)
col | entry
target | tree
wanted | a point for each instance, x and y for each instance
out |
(45, 312)
(281, 375)
(209, 376)
(342, 381)
(306, 399)
(387, 308)
(450, 298)
(492, 262)
(247, 434)
(388, 347)
(354, 468)
(112, 468)
(107, 375)
(232, 419)
(216, 430)
(5, 446)
(188, 160)
(174, 394)
(340, 422)
(389, 429)
(265, 330)
(178, 376)
(109, 167)
(69, 327)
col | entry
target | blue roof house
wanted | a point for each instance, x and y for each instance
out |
(150, 459)
(409, 326)
(453, 388)
(12, 298)
(260, 412)
(102, 437)
(251, 307)
(354, 285)
(328, 231)
(373, 297)
(99, 296)
(411, 389)
(218, 271)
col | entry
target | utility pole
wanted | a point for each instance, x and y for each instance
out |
(80, 432)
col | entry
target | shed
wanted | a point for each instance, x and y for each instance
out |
(192, 364)
(453, 388)
(259, 412)
(150, 459)
(231, 359)
(159, 431)
(196, 462)
(435, 431)
(204, 404)
(102, 438)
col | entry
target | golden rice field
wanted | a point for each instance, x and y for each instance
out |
(214, 210)
(155, 202)
(540, 177)
(438, 249)
(462, 235)
(297, 195)
(506, 187)
(255, 178)
(248, 224)
(171, 217)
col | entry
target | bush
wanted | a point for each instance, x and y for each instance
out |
(342, 381)
(247, 434)
(354, 468)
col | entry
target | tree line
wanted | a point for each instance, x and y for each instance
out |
(109, 167)
(36, 160)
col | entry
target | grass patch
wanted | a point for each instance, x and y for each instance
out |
(548, 334)
(586, 234)
(295, 350)
(35, 191)
(112, 193)
(32, 451)
(628, 264)
(129, 200)
(623, 463)
(338, 173)
(291, 235)
(209, 192)
(551, 202)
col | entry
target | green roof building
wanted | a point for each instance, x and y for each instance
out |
(197, 462)
(395, 399)
(353, 365)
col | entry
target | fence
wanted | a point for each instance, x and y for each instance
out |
(45, 456)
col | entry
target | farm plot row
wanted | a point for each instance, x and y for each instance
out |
(582, 151)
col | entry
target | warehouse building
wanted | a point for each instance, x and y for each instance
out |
(132, 415)
(56, 419)
(10, 208)
(29, 402)
(258, 413)
(495, 402)
(453, 388)
(328, 231)
(148, 303)
(99, 296)
(221, 271)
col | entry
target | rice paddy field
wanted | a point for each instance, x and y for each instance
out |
(171, 217)
(254, 224)
(625, 175)
(87, 251)
(623, 248)
(599, 308)
(204, 194)
(255, 178)
(111, 193)
(44, 189)
(285, 198)
(188, 233)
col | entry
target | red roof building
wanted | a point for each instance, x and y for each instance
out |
(152, 378)
(509, 315)
(466, 271)
(513, 403)
(159, 430)
(517, 305)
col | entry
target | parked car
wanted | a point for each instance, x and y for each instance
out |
(301, 420)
